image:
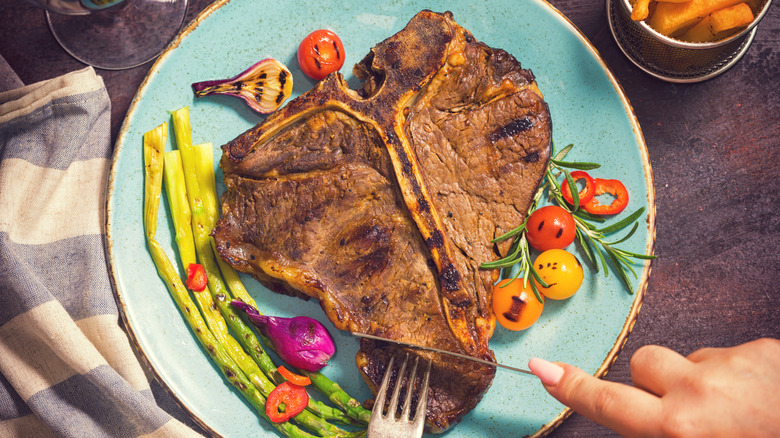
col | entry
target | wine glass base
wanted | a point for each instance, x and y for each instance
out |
(122, 37)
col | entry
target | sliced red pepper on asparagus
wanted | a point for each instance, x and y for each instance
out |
(286, 401)
(293, 378)
(197, 279)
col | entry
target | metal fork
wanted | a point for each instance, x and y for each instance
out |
(391, 426)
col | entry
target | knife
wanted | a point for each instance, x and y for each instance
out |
(436, 350)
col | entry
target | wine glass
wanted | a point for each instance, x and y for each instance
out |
(114, 34)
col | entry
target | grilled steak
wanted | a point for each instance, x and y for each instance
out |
(382, 202)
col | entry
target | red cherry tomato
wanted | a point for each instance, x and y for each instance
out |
(320, 54)
(550, 227)
(585, 194)
(613, 187)
(516, 307)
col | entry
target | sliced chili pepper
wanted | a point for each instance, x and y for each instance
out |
(292, 377)
(286, 401)
(196, 277)
(586, 194)
(613, 187)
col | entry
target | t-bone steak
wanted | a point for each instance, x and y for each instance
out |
(381, 203)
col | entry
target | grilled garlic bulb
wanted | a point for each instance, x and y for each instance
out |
(264, 86)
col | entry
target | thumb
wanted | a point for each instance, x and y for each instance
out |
(625, 409)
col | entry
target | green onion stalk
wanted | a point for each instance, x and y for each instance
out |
(154, 144)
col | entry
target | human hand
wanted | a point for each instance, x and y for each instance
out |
(728, 392)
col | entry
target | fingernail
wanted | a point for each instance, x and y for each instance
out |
(549, 373)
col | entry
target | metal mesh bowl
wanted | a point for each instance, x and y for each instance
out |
(671, 59)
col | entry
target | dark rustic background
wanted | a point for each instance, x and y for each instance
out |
(715, 152)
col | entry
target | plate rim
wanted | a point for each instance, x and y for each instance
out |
(639, 293)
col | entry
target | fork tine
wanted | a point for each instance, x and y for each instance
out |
(422, 403)
(380, 396)
(391, 410)
(409, 388)
(390, 425)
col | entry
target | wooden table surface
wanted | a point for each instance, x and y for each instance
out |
(714, 148)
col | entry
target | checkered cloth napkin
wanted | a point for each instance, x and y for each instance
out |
(66, 366)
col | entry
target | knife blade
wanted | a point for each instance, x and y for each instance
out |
(437, 350)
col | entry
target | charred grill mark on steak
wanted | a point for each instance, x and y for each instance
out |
(450, 281)
(532, 157)
(436, 240)
(511, 129)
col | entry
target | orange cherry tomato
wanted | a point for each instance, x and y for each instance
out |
(615, 188)
(586, 194)
(562, 272)
(516, 307)
(320, 54)
(550, 227)
(196, 277)
(292, 377)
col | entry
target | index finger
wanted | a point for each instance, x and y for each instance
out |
(625, 409)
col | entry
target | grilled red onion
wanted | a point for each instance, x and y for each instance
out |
(301, 341)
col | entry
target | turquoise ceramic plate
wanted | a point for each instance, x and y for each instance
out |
(588, 109)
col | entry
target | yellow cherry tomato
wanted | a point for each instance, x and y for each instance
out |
(562, 272)
(516, 307)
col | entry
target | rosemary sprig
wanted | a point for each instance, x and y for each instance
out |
(590, 237)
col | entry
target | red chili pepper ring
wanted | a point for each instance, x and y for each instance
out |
(585, 194)
(286, 401)
(613, 187)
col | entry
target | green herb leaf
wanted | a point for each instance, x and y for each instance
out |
(621, 273)
(536, 292)
(603, 261)
(617, 226)
(562, 153)
(587, 250)
(640, 256)
(584, 215)
(511, 233)
(627, 236)
(575, 195)
(576, 165)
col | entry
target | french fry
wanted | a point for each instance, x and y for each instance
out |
(722, 20)
(699, 33)
(730, 18)
(671, 18)
(640, 10)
